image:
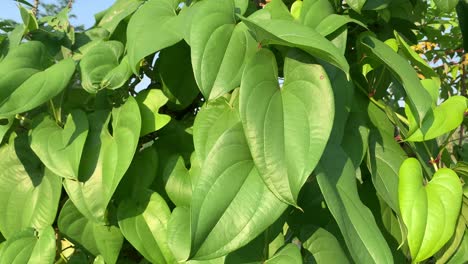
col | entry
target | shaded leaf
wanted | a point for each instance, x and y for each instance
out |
(323, 247)
(288, 254)
(149, 102)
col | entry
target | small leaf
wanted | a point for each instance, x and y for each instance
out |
(288, 254)
(149, 102)
(22, 181)
(296, 8)
(178, 233)
(461, 254)
(105, 240)
(225, 219)
(356, 5)
(61, 149)
(30, 246)
(120, 10)
(143, 221)
(446, 5)
(286, 127)
(309, 15)
(118, 76)
(333, 22)
(153, 27)
(179, 182)
(323, 246)
(429, 212)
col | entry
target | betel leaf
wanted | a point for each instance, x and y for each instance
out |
(337, 180)
(296, 9)
(27, 81)
(356, 5)
(322, 247)
(309, 15)
(30, 246)
(291, 34)
(59, 148)
(278, 10)
(219, 47)
(97, 239)
(446, 5)
(418, 98)
(288, 254)
(429, 211)
(143, 221)
(444, 118)
(384, 157)
(178, 233)
(100, 63)
(24, 179)
(118, 12)
(153, 27)
(225, 219)
(333, 22)
(108, 156)
(212, 120)
(174, 69)
(286, 127)
(118, 76)
(149, 102)
(462, 251)
(179, 182)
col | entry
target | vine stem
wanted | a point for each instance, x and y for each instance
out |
(35, 7)
(432, 160)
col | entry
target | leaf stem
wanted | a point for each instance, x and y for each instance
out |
(382, 106)
(432, 160)
(35, 7)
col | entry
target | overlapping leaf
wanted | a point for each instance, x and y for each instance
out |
(118, 12)
(143, 221)
(153, 27)
(149, 102)
(286, 127)
(219, 47)
(322, 246)
(61, 149)
(30, 246)
(108, 157)
(105, 240)
(429, 212)
(29, 194)
(225, 219)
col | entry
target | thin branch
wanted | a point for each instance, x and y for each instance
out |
(35, 7)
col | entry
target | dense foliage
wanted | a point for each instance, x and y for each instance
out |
(235, 131)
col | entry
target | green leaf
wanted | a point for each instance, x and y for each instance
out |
(384, 157)
(446, 5)
(219, 48)
(105, 240)
(462, 14)
(118, 76)
(225, 219)
(60, 149)
(108, 156)
(278, 10)
(120, 10)
(149, 102)
(29, 194)
(27, 82)
(288, 254)
(98, 63)
(337, 179)
(296, 9)
(213, 119)
(356, 137)
(303, 37)
(30, 246)
(179, 182)
(450, 248)
(286, 127)
(309, 15)
(461, 254)
(143, 221)
(444, 118)
(153, 27)
(356, 5)
(178, 233)
(429, 211)
(174, 68)
(241, 6)
(418, 98)
(333, 22)
(29, 19)
(323, 246)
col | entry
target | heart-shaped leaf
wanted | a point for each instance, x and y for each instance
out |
(24, 179)
(430, 211)
(179, 183)
(153, 27)
(288, 254)
(149, 102)
(61, 149)
(444, 118)
(30, 246)
(219, 47)
(105, 240)
(118, 12)
(225, 219)
(108, 156)
(322, 246)
(286, 127)
(143, 221)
